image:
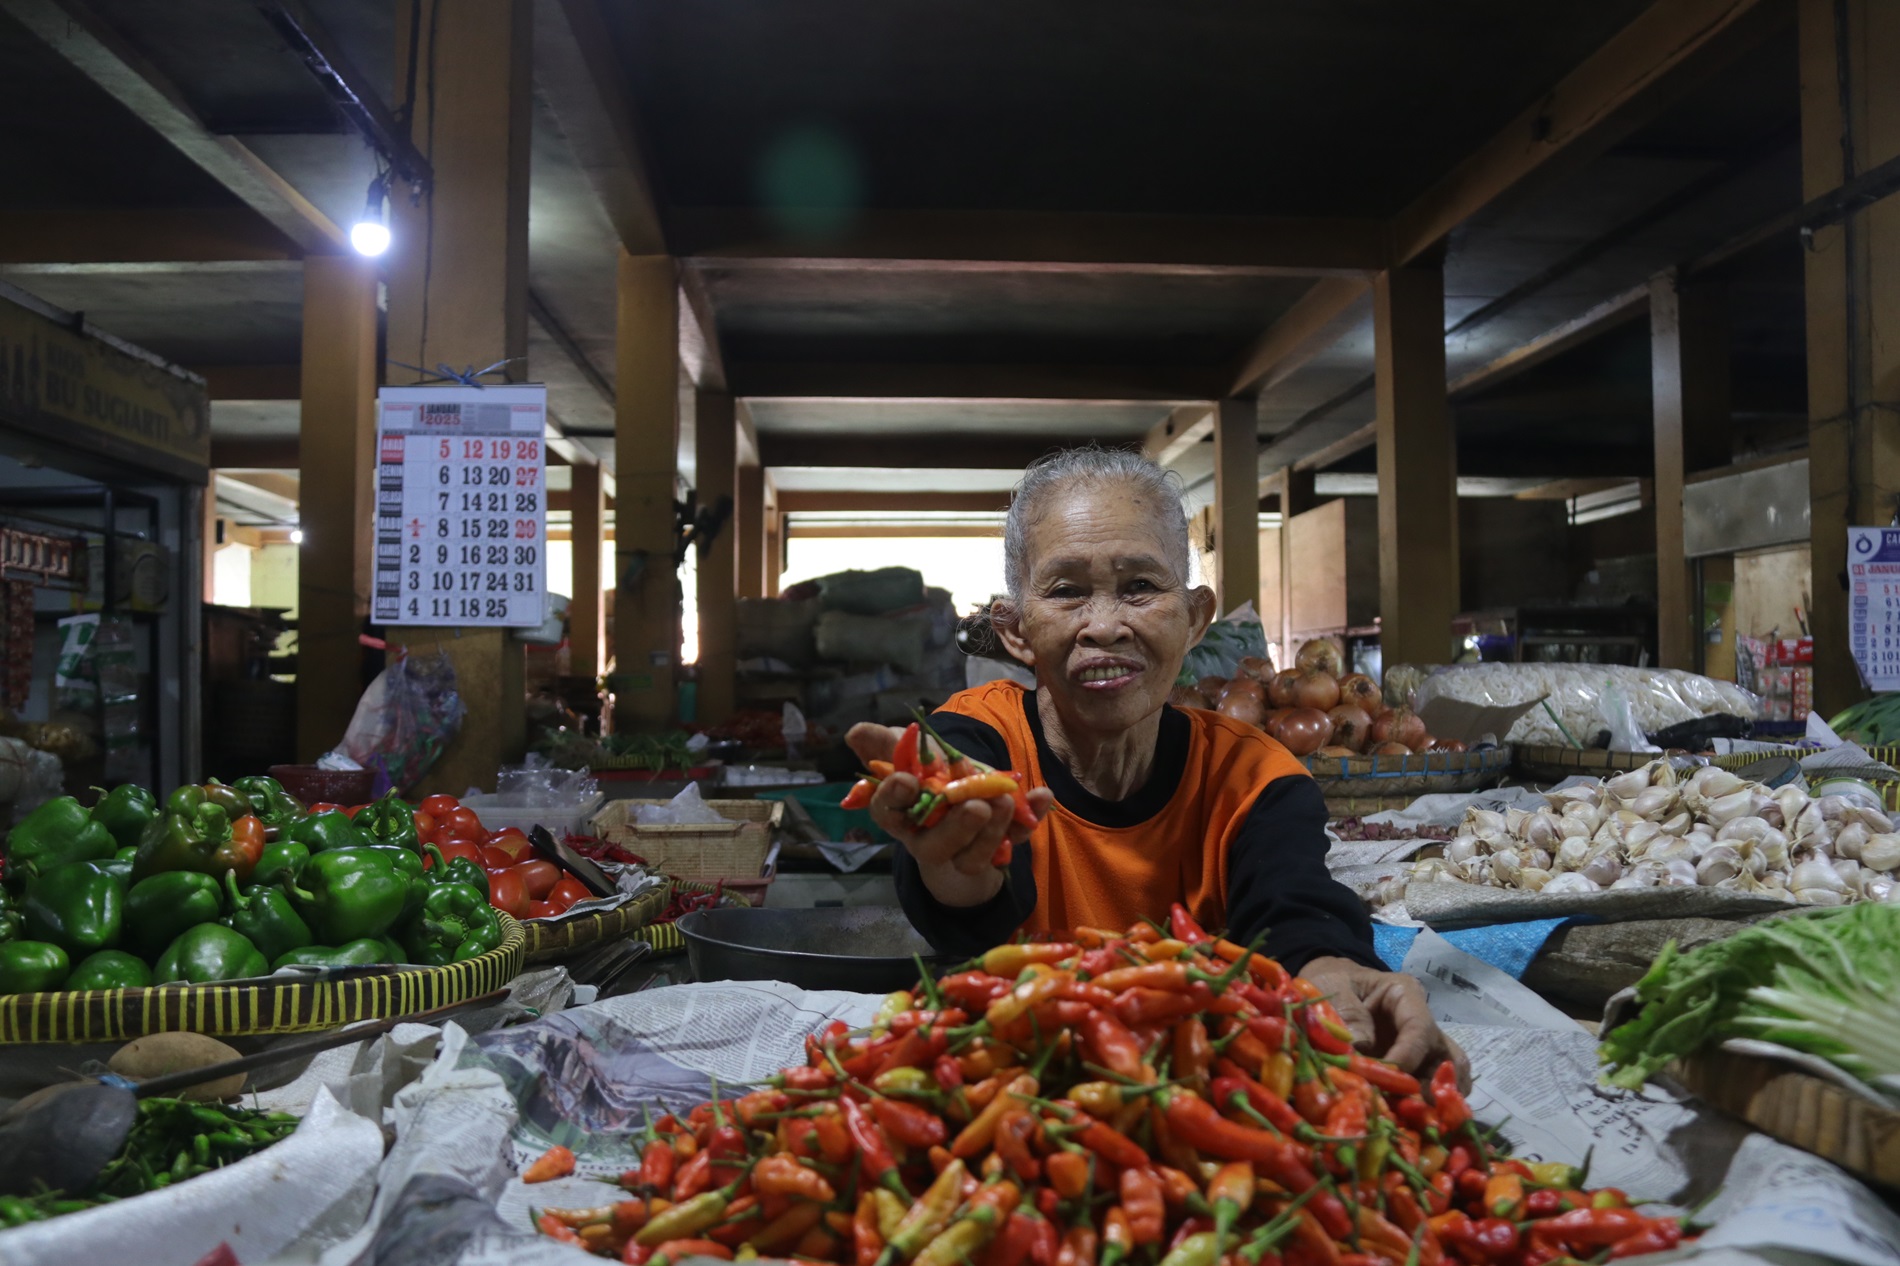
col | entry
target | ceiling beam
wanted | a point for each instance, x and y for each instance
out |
(901, 381)
(1304, 330)
(578, 72)
(881, 531)
(699, 334)
(76, 34)
(543, 316)
(1661, 54)
(892, 502)
(154, 235)
(1081, 242)
(252, 382)
(1354, 441)
(1565, 489)
(956, 451)
(1612, 312)
(250, 454)
(1185, 426)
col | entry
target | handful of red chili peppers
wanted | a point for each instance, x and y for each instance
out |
(1158, 1097)
(947, 777)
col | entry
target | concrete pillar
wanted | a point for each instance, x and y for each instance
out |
(716, 449)
(646, 457)
(336, 467)
(1417, 455)
(748, 529)
(586, 613)
(1688, 359)
(458, 291)
(1853, 307)
(1236, 504)
(1296, 498)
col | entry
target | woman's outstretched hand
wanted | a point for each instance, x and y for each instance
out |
(953, 856)
(1388, 1015)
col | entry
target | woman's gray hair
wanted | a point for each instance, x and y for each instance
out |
(1058, 473)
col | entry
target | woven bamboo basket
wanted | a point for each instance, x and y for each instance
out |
(1551, 763)
(1362, 777)
(248, 1008)
(1356, 806)
(734, 849)
(551, 940)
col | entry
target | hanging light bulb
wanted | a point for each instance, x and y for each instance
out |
(369, 235)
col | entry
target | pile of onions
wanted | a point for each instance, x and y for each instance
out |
(1315, 707)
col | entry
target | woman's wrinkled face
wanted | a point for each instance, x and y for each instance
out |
(1106, 616)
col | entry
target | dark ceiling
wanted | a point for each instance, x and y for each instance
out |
(1317, 107)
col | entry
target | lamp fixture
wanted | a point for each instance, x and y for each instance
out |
(370, 235)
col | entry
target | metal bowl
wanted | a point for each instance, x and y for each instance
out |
(865, 949)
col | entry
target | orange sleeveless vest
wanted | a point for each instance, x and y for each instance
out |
(1107, 877)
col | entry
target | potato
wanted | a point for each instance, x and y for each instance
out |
(161, 1053)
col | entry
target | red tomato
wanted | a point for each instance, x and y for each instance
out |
(452, 849)
(465, 824)
(440, 806)
(353, 810)
(542, 910)
(515, 845)
(494, 861)
(323, 806)
(425, 825)
(568, 891)
(508, 832)
(540, 875)
(507, 893)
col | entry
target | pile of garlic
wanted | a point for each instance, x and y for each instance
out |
(1649, 829)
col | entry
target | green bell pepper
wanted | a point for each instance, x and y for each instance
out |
(159, 907)
(79, 907)
(351, 893)
(265, 915)
(109, 969)
(195, 831)
(280, 860)
(390, 820)
(234, 802)
(128, 811)
(127, 855)
(460, 871)
(456, 924)
(209, 952)
(321, 832)
(363, 952)
(58, 832)
(269, 800)
(120, 868)
(32, 966)
(10, 920)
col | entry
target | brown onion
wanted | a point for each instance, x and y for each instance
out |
(1323, 654)
(1188, 697)
(1280, 689)
(1245, 708)
(1401, 726)
(1362, 690)
(1315, 690)
(1211, 686)
(1447, 745)
(1351, 726)
(1334, 750)
(1258, 667)
(1302, 731)
(1243, 686)
(1390, 749)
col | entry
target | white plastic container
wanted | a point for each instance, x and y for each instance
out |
(561, 822)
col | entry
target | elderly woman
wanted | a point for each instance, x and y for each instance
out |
(1139, 804)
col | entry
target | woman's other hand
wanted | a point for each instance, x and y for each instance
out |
(1388, 1015)
(953, 856)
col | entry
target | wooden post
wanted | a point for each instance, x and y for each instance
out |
(1853, 307)
(1297, 496)
(458, 295)
(586, 613)
(1417, 454)
(1688, 365)
(716, 454)
(646, 458)
(748, 528)
(774, 540)
(337, 507)
(1236, 503)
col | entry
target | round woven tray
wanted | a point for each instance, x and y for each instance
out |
(1363, 777)
(552, 941)
(1551, 763)
(263, 1006)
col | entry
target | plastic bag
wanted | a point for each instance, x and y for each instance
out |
(404, 720)
(688, 808)
(1620, 719)
(1227, 641)
(1657, 697)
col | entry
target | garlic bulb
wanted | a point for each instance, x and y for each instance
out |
(1816, 876)
(1573, 853)
(1462, 849)
(1540, 830)
(1679, 872)
(1719, 863)
(1533, 879)
(1626, 787)
(1850, 839)
(1602, 867)
(1571, 882)
(1876, 822)
(1540, 859)
(1506, 865)
(1678, 825)
(1881, 852)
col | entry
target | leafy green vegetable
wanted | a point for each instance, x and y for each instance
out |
(1825, 982)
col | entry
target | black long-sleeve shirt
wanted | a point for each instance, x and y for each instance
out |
(1277, 877)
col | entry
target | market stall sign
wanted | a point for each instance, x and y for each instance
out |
(461, 513)
(1873, 602)
(94, 394)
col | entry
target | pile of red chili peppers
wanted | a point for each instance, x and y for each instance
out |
(947, 777)
(1154, 1098)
